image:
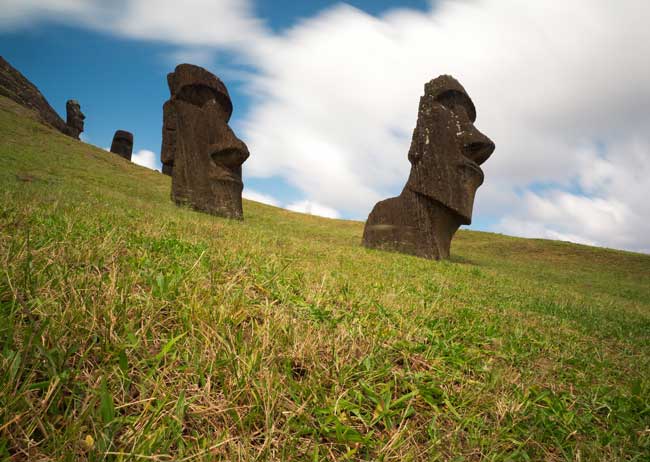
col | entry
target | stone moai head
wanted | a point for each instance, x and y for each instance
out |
(199, 150)
(75, 118)
(447, 150)
(122, 144)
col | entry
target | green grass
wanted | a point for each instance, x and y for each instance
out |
(131, 329)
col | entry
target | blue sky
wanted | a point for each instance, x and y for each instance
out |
(325, 95)
(282, 14)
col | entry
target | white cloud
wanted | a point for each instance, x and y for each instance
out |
(337, 99)
(565, 216)
(216, 23)
(260, 197)
(200, 56)
(228, 23)
(304, 206)
(313, 208)
(20, 12)
(527, 228)
(145, 158)
(611, 210)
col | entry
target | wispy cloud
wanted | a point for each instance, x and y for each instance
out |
(216, 23)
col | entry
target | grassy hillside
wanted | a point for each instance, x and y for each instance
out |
(132, 329)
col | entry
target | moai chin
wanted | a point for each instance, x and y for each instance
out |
(445, 155)
(75, 118)
(122, 144)
(199, 150)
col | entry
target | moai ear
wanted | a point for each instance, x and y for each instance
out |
(415, 153)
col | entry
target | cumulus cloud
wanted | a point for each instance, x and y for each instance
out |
(610, 209)
(259, 197)
(303, 206)
(554, 214)
(145, 158)
(338, 95)
(313, 208)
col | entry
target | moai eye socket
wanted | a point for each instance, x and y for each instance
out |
(454, 100)
(197, 95)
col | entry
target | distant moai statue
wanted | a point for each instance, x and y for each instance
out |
(446, 153)
(122, 144)
(75, 118)
(199, 150)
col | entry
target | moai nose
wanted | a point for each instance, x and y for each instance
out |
(230, 154)
(477, 146)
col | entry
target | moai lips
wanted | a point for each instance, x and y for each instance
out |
(446, 153)
(200, 151)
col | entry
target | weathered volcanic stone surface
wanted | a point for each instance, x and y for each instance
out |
(199, 150)
(16, 87)
(75, 118)
(446, 153)
(122, 144)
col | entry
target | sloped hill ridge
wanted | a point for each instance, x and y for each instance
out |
(131, 328)
(18, 88)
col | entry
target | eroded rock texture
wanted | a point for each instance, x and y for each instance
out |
(16, 87)
(75, 118)
(199, 150)
(122, 144)
(446, 153)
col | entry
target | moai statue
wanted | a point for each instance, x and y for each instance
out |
(75, 118)
(122, 144)
(446, 153)
(199, 150)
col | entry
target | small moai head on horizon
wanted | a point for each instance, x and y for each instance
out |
(200, 151)
(447, 149)
(75, 118)
(122, 144)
